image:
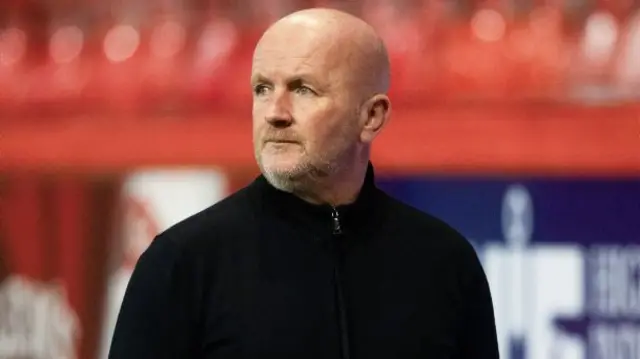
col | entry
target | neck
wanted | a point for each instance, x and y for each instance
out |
(336, 190)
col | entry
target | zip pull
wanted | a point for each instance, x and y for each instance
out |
(337, 228)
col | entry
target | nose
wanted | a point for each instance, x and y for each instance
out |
(279, 111)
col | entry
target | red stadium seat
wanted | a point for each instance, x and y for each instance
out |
(171, 59)
(627, 65)
(207, 70)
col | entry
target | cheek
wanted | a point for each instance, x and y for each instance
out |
(259, 110)
(256, 115)
(255, 131)
(324, 136)
(257, 124)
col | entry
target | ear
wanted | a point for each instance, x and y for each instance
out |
(375, 115)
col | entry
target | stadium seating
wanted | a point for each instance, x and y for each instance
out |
(196, 55)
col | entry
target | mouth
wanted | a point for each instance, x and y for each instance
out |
(281, 142)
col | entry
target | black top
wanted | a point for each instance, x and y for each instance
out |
(263, 274)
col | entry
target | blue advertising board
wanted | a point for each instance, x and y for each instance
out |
(562, 257)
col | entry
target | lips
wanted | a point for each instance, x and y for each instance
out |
(281, 141)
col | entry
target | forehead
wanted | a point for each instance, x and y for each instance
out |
(302, 51)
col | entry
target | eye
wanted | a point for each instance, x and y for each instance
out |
(304, 90)
(260, 90)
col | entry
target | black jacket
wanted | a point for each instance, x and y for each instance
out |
(263, 274)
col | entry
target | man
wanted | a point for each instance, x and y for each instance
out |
(310, 260)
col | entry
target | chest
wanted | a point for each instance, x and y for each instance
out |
(293, 295)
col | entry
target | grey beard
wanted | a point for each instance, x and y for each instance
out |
(282, 181)
(301, 179)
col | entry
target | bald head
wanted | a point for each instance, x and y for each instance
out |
(319, 81)
(350, 43)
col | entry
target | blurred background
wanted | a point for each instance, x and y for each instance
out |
(516, 121)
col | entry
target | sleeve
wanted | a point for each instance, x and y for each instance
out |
(477, 327)
(155, 321)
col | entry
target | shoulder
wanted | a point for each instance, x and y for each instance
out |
(209, 227)
(427, 232)
(420, 223)
(436, 245)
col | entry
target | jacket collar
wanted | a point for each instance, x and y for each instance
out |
(291, 208)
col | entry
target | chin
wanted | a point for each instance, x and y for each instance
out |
(283, 172)
(288, 167)
(281, 162)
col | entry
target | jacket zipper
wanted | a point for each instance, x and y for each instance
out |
(337, 276)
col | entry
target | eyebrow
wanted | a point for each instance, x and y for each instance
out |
(259, 78)
(295, 79)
